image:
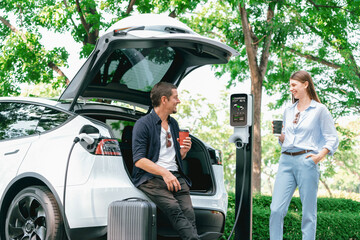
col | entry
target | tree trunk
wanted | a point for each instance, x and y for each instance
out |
(256, 90)
(91, 34)
(130, 7)
(257, 73)
(326, 186)
(56, 69)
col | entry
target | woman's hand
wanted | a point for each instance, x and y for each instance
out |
(282, 137)
(318, 157)
(315, 157)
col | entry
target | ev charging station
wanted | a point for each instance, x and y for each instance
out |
(241, 118)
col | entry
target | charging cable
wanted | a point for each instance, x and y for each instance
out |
(239, 145)
(82, 137)
(76, 140)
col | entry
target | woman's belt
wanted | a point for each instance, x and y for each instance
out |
(296, 153)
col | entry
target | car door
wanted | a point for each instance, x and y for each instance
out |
(139, 52)
(18, 122)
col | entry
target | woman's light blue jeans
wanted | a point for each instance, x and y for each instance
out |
(295, 171)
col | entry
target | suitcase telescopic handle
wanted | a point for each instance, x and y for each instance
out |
(134, 199)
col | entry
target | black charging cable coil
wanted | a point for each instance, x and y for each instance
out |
(76, 140)
(240, 145)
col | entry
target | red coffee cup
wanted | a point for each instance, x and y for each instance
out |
(183, 134)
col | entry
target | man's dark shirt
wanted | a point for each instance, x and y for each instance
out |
(146, 144)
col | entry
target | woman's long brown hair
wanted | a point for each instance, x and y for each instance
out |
(303, 76)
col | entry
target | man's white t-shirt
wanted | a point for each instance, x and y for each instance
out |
(167, 154)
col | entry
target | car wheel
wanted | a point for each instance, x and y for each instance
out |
(34, 214)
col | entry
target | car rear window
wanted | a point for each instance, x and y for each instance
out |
(137, 68)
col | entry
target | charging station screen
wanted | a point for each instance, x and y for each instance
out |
(238, 109)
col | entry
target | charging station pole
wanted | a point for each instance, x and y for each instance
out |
(243, 228)
(241, 116)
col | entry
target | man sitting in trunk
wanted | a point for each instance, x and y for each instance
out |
(157, 156)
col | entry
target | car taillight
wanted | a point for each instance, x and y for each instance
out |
(108, 147)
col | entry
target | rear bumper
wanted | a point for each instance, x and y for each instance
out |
(210, 224)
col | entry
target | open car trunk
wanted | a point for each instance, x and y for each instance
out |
(197, 164)
(130, 59)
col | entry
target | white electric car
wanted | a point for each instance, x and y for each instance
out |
(63, 162)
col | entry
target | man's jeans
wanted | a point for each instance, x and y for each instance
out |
(295, 171)
(176, 206)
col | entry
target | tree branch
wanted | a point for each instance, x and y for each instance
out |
(250, 49)
(332, 43)
(91, 34)
(130, 7)
(324, 6)
(267, 43)
(341, 49)
(12, 28)
(349, 169)
(215, 34)
(254, 37)
(72, 21)
(318, 6)
(56, 69)
(313, 58)
(82, 18)
(173, 14)
(258, 40)
(51, 64)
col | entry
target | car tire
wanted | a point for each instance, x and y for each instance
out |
(34, 214)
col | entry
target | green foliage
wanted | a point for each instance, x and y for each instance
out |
(346, 175)
(210, 123)
(86, 50)
(23, 59)
(323, 204)
(41, 90)
(327, 35)
(336, 218)
(318, 38)
(179, 7)
(270, 153)
(27, 62)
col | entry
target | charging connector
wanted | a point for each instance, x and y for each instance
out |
(240, 134)
(239, 144)
(84, 136)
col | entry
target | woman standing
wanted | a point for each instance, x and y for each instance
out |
(308, 135)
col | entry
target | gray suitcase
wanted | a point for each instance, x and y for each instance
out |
(131, 219)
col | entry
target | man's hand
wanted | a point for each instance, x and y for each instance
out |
(151, 167)
(172, 182)
(186, 147)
